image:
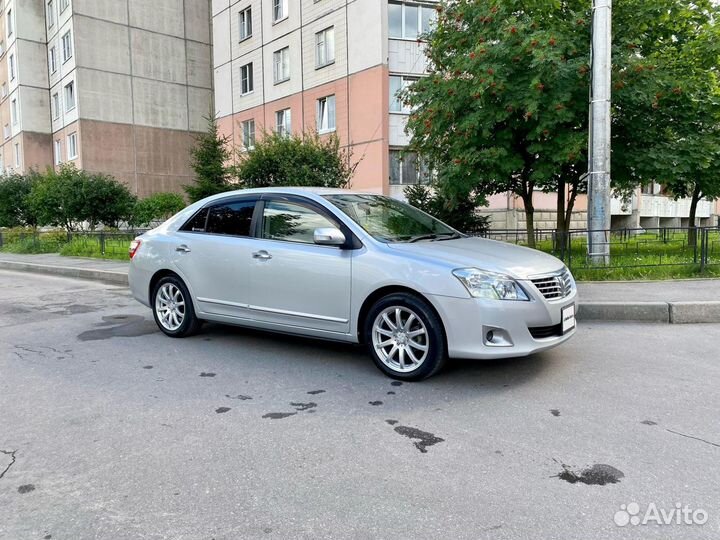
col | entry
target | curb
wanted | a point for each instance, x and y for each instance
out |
(697, 312)
(105, 276)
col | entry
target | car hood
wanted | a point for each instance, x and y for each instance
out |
(517, 261)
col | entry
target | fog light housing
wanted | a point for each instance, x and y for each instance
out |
(496, 337)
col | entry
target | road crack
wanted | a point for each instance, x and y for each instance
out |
(695, 438)
(10, 453)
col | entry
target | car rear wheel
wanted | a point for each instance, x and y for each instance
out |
(405, 337)
(172, 308)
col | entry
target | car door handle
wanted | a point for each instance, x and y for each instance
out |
(262, 255)
(183, 249)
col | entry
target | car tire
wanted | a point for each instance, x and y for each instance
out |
(173, 309)
(412, 350)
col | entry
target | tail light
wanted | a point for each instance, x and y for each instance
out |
(134, 246)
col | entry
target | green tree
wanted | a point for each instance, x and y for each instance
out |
(72, 198)
(307, 160)
(504, 107)
(209, 161)
(668, 99)
(156, 207)
(15, 208)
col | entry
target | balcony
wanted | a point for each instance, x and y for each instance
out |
(665, 207)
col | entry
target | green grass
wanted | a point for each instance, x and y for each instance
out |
(645, 256)
(89, 246)
(21, 242)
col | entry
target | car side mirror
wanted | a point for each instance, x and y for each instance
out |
(328, 236)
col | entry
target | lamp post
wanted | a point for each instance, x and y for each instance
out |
(599, 143)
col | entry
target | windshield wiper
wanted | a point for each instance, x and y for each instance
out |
(434, 236)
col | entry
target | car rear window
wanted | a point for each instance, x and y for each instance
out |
(197, 222)
(232, 218)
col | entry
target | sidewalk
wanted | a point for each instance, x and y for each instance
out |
(675, 302)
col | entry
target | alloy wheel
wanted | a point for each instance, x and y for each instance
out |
(400, 339)
(170, 307)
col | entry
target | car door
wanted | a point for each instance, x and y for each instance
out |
(296, 282)
(214, 254)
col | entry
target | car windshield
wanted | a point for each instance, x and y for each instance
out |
(389, 220)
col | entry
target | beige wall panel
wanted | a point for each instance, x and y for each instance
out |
(197, 20)
(165, 16)
(101, 45)
(160, 104)
(109, 10)
(199, 64)
(105, 96)
(158, 57)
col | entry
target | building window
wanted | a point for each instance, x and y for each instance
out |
(63, 5)
(245, 23)
(408, 21)
(58, 152)
(6, 131)
(2, 47)
(67, 49)
(283, 122)
(325, 47)
(248, 134)
(399, 83)
(51, 13)
(17, 154)
(56, 106)
(69, 96)
(326, 114)
(14, 112)
(10, 23)
(406, 168)
(246, 78)
(53, 59)
(11, 65)
(72, 146)
(281, 65)
(280, 10)
(4, 90)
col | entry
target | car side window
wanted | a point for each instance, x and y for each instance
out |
(292, 222)
(197, 222)
(232, 218)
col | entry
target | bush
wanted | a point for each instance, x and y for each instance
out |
(460, 214)
(70, 198)
(308, 160)
(15, 209)
(157, 207)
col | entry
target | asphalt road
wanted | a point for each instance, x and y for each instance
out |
(110, 430)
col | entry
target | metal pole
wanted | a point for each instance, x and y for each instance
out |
(599, 143)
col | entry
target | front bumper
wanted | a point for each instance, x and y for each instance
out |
(467, 321)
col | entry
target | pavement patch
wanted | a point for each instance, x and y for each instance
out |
(423, 438)
(26, 488)
(304, 406)
(314, 392)
(555, 412)
(375, 403)
(278, 415)
(205, 374)
(221, 410)
(125, 326)
(239, 396)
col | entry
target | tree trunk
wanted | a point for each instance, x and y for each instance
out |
(561, 227)
(692, 231)
(527, 198)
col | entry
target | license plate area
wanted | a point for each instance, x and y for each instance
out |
(568, 318)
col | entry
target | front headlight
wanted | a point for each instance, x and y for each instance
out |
(483, 284)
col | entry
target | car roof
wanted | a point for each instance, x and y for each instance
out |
(304, 191)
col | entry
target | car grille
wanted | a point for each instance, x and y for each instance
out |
(554, 286)
(541, 332)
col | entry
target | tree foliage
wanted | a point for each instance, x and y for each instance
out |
(73, 199)
(504, 107)
(307, 160)
(15, 208)
(156, 207)
(209, 160)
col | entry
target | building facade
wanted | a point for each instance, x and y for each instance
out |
(336, 66)
(114, 86)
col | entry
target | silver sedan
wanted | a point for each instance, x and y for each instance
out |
(354, 267)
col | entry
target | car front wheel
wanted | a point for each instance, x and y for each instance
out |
(405, 337)
(172, 308)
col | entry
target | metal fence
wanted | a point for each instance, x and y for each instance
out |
(629, 248)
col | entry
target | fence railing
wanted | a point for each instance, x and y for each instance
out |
(629, 248)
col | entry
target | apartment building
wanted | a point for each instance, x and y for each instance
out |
(113, 86)
(336, 66)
